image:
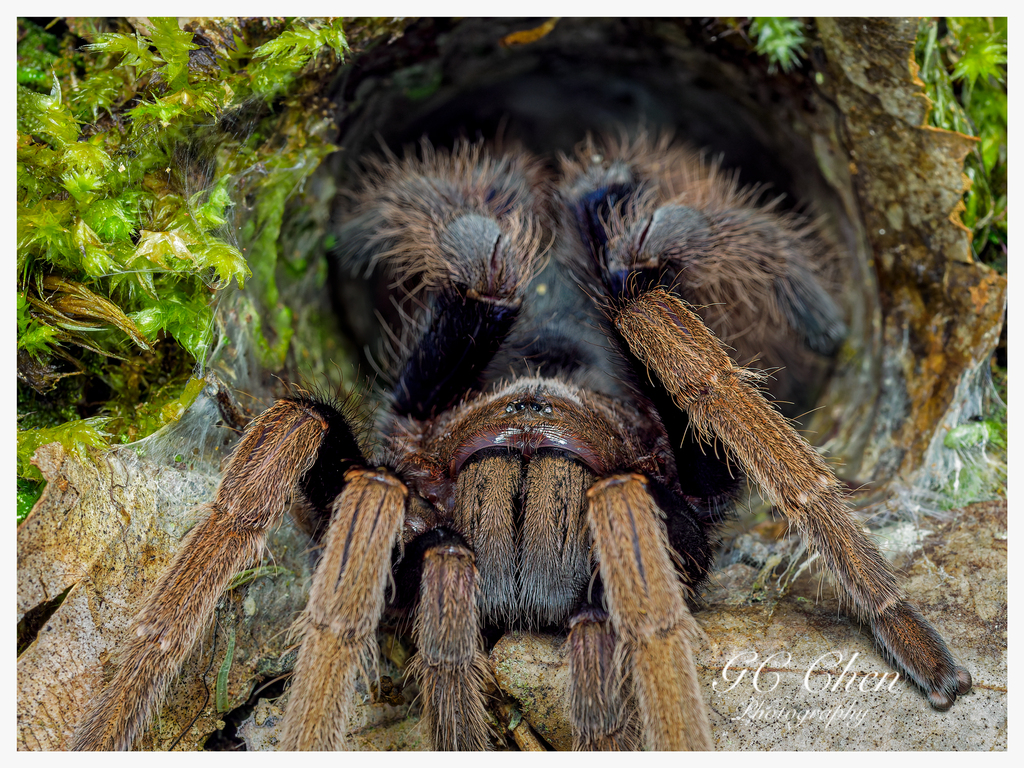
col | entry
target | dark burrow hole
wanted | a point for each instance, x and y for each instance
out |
(445, 80)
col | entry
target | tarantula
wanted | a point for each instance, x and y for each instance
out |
(563, 434)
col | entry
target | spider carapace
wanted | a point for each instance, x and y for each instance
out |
(564, 429)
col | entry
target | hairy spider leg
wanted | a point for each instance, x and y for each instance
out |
(447, 362)
(465, 226)
(655, 632)
(591, 197)
(723, 404)
(665, 215)
(665, 225)
(278, 448)
(601, 710)
(339, 624)
(449, 664)
(460, 233)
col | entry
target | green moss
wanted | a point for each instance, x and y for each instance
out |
(276, 62)
(779, 38)
(108, 213)
(28, 494)
(38, 53)
(76, 437)
(963, 65)
(155, 167)
(33, 336)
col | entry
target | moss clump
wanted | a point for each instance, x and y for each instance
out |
(963, 65)
(157, 162)
(781, 39)
(75, 437)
